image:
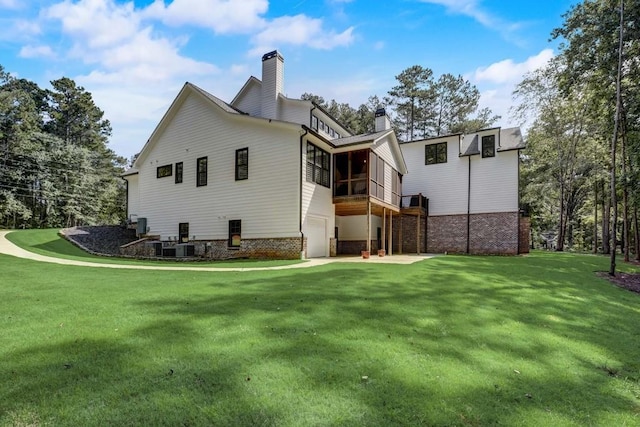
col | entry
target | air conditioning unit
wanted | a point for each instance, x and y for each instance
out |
(141, 228)
(181, 251)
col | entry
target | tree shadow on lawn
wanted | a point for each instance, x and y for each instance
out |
(452, 341)
(482, 346)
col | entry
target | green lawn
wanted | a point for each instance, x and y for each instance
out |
(477, 341)
(49, 243)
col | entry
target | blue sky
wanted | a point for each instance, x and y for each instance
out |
(134, 56)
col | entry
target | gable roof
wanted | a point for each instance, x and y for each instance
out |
(511, 139)
(188, 89)
(251, 81)
(369, 139)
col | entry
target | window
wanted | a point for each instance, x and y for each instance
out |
(183, 232)
(318, 165)
(376, 176)
(235, 231)
(242, 164)
(163, 171)
(201, 175)
(489, 146)
(321, 125)
(179, 172)
(396, 188)
(435, 153)
(351, 173)
(314, 122)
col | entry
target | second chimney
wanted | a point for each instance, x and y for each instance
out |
(272, 83)
(382, 120)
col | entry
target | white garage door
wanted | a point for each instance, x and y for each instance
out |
(316, 237)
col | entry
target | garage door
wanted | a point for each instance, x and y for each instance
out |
(316, 237)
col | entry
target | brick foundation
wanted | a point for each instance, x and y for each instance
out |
(447, 233)
(283, 248)
(405, 234)
(354, 247)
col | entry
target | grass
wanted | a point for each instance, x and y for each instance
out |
(469, 341)
(49, 243)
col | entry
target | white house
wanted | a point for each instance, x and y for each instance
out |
(255, 177)
(472, 185)
(274, 177)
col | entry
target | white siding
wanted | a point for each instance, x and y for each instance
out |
(494, 183)
(444, 184)
(267, 203)
(294, 112)
(133, 197)
(317, 200)
(383, 149)
(251, 101)
(355, 227)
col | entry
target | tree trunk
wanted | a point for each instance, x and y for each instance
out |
(595, 218)
(625, 197)
(636, 232)
(614, 143)
(561, 225)
(606, 215)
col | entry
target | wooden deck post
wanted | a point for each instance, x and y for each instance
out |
(390, 245)
(418, 224)
(383, 241)
(368, 225)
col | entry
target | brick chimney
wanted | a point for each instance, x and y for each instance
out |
(382, 120)
(272, 83)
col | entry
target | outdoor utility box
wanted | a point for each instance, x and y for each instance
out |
(184, 250)
(142, 226)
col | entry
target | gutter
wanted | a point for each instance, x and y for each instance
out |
(306, 131)
(469, 207)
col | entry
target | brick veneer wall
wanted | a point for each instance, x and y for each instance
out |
(354, 247)
(525, 232)
(408, 224)
(283, 248)
(447, 233)
(494, 233)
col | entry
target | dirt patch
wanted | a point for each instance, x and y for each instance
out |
(627, 281)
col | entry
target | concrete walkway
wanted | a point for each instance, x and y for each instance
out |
(8, 248)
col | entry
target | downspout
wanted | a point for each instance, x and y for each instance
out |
(126, 200)
(519, 211)
(469, 206)
(306, 131)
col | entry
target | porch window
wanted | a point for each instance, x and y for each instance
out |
(377, 175)
(351, 173)
(396, 188)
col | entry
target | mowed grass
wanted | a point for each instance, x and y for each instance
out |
(48, 242)
(469, 341)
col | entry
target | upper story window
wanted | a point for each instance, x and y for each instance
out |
(164, 171)
(489, 146)
(242, 164)
(201, 174)
(435, 153)
(179, 169)
(318, 165)
(314, 122)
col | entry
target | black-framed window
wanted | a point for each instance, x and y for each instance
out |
(164, 171)
(201, 174)
(179, 170)
(314, 122)
(489, 146)
(183, 232)
(318, 165)
(242, 164)
(235, 233)
(435, 153)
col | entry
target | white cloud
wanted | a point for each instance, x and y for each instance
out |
(96, 23)
(508, 71)
(10, 4)
(498, 81)
(42, 51)
(472, 9)
(299, 30)
(221, 16)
